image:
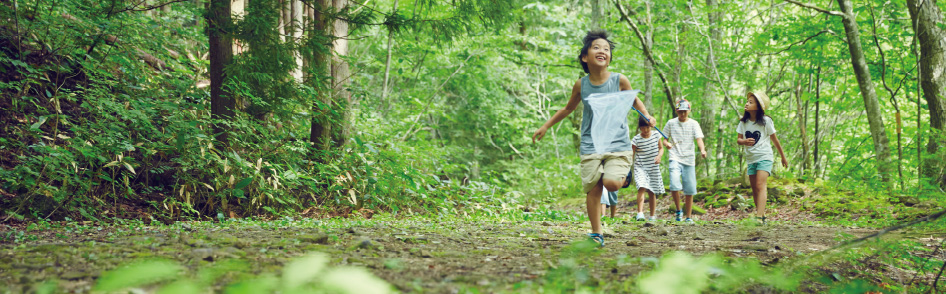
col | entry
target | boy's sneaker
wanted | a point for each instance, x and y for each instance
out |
(679, 215)
(689, 221)
(640, 216)
(653, 218)
(597, 238)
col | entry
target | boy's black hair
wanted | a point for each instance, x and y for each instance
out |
(642, 122)
(590, 37)
(760, 116)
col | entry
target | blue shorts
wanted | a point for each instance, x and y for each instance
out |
(685, 174)
(609, 199)
(765, 165)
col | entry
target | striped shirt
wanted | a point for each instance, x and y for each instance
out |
(683, 135)
(646, 172)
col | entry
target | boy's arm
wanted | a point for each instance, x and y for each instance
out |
(778, 145)
(625, 85)
(561, 114)
(699, 142)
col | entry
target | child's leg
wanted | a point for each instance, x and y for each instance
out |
(593, 203)
(676, 199)
(755, 190)
(640, 200)
(614, 210)
(653, 203)
(689, 188)
(676, 184)
(762, 184)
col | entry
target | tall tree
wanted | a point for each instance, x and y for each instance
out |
(928, 24)
(708, 110)
(875, 118)
(330, 127)
(221, 54)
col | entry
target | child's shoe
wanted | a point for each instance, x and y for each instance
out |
(679, 215)
(597, 238)
(653, 218)
(640, 216)
(689, 221)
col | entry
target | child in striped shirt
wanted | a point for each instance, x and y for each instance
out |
(647, 154)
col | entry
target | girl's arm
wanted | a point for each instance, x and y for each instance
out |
(561, 114)
(745, 142)
(660, 151)
(778, 145)
(625, 85)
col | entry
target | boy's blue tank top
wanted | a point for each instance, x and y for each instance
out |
(613, 84)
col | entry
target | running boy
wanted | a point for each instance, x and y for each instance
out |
(683, 131)
(647, 155)
(598, 170)
(756, 130)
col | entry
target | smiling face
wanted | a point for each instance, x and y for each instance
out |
(599, 54)
(595, 51)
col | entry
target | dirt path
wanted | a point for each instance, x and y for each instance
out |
(414, 255)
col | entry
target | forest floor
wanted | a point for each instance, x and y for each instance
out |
(428, 255)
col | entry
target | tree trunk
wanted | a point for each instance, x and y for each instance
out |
(387, 63)
(708, 110)
(341, 77)
(320, 66)
(678, 68)
(327, 131)
(595, 15)
(874, 114)
(221, 53)
(927, 23)
(817, 111)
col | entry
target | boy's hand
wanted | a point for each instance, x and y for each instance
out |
(651, 120)
(784, 162)
(538, 134)
(703, 153)
(668, 145)
(657, 160)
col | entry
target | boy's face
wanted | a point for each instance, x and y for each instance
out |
(599, 54)
(751, 104)
(683, 113)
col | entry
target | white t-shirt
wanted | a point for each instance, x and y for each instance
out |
(684, 135)
(762, 150)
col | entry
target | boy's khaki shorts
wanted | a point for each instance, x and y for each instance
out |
(611, 165)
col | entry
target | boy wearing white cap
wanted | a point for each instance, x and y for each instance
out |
(683, 132)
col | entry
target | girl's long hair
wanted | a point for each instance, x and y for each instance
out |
(759, 118)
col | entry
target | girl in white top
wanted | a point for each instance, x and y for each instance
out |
(756, 130)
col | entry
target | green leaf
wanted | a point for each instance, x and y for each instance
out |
(238, 193)
(181, 287)
(243, 183)
(303, 270)
(35, 126)
(138, 274)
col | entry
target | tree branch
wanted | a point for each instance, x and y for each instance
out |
(802, 42)
(149, 7)
(816, 8)
(647, 52)
(429, 101)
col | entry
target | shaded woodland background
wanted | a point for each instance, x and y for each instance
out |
(210, 109)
